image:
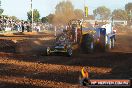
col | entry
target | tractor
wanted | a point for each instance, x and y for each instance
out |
(92, 38)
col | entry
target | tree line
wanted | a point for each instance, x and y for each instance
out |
(65, 11)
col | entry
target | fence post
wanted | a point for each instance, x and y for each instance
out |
(55, 30)
(76, 34)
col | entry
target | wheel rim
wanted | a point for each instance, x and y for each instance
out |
(70, 52)
(110, 44)
(48, 51)
(91, 46)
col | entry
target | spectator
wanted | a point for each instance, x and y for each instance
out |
(37, 28)
(22, 25)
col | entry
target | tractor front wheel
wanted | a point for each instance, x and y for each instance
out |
(48, 51)
(69, 52)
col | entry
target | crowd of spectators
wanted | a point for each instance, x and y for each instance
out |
(9, 24)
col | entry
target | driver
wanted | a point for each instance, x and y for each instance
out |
(62, 39)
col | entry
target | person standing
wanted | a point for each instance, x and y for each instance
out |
(38, 28)
(28, 27)
(22, 25)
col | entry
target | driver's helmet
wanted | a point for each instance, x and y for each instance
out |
(62, 38)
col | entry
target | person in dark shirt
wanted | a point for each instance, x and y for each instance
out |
(22, 27)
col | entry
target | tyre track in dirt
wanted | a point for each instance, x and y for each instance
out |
(29, 71)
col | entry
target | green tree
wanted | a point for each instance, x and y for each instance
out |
(36, 15)
(128, 8)
(44, 19)
(1, 11)
(102, 13)
(13, 17)
(120, 14)
(50, 18)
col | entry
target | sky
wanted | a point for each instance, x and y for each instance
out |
(19, 8)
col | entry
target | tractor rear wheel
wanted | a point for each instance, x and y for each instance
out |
(87, 43)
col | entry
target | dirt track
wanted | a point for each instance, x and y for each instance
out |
(23, 71)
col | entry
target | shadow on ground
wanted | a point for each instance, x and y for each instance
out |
(17, 85)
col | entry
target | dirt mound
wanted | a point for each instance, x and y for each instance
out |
(33, 46)
(27, 42)
(7, 45)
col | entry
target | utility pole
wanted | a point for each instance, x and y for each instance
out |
(126, 1)
(32, 13)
